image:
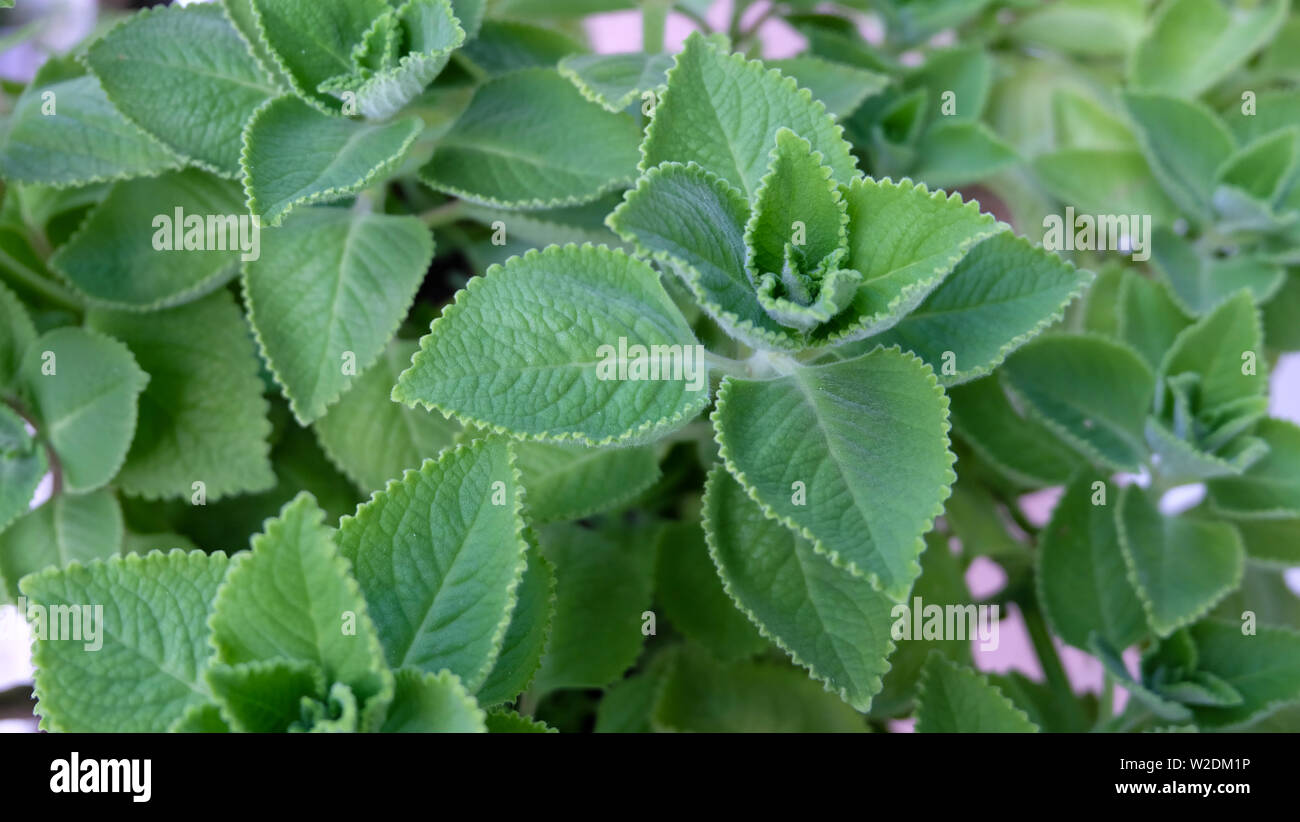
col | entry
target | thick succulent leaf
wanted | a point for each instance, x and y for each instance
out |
(265, 696)
(1002, 294)
(327, 294)
(839, 86)
(292, 597)
(693, 222)
(567, 482)
(117, 263)
(185, 76)
(1192, 44)
(1019, 447)
(1213, 349)
(688, 589)
(439, 555)
(602, 588)
(67, 528)
(148, 670)
(295, 156)
(1270, 487)
(1148, 318)
(526, 637)
(432, 703)
(615, 80)
(834, 624)
(1081, 575)
(1185, 143)
(798, 190)
(23, 462)
(954, 699)
(521, 348)
(1092, 392)
(905, 240)
(202, 415)
(313, 40)
(83, 388)
(702, 695)
(1105, 181)
(1264, 668)
(82, 139)
(1179, 566)
(723, 111)
(514, 146)
(864, 440)
(373, 439)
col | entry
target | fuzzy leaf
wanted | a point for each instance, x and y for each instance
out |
(1270, 487)
(1149, 319)
(149, 670)
(840, 87)
(1213, 349)
(202, 415)
(1021, 448)
(432, 703)
(567, 482)
(1105, 181)
(327, 294)
(502, 721)
(185, 76)
(866, 439)
(313, 40)
(519, 350)
(117, 262)
(1192, 44)
(295, 156)
(23, 463)
(1184, 142)
(505, 46)
(431, 32)
(1090, 391)
(265, 696)
(525, 639)
(84, 389)
(67, 528)
(16, 333)
(955, 699)
(615, 80)
(439, 555)
(1180, 566)
(832, 623)
(514, 147)
(955, 153)
(1263, 668)
(723, 111)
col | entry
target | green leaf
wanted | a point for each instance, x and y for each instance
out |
(148, 670)
(502, 721)
(439, 555)
(432, 703)
(840, 87)
(327, 294)
(627, 705)
(521, 351)
(1002, 294)
(954, 699)
(243, 17)
(313, 40)
(723, 111)
(905, 240)
(514, 147)
(1265, 168)
(830, 622)
(1213, 349)
(1274, 540)
(1113, 664)
(602, 587)
(202, 415)
(1149, 319)
(1270, 487)
(64, 530)
(194, 247)
(615, 80)
(568, 482)
(1080, 121)
(797, 189)
(83, 389)
(430, 32)
(866, 440)
(692, 597)
(82, 139)
(1179, 566)
(1185, 143)
(23, 463)
(966, 71)
(1264, 668)
(1192, 44)
(202, 718)
(1082, 576)
(706, 696)
(526, 637)
(1019, 447)
(373, 439)
(292, 597)
(1088, 28)
(16, 333)
(265, 696)
(693, 222)
(955, 153)
(185, 76)
(503, 46)
(1105, 181)
(294, 156)
(1090, 391)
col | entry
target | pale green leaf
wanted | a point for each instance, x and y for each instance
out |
(1185, 143)
(503, 46)
(502, 721)
(525, 639)
(567, 482)
(955, 153)
(1270, 487)
(954, 699)
(23, 462)
(1105, 181)
(1213, 349)
(1019, 447)
(313, 40)
(1192, 44)
(1089, 28)
(265, 696)
(65, 529)
(1148, 318)
(432, 703)
(430, 32)
(615, 80)
(840, 87)
(1264, 668)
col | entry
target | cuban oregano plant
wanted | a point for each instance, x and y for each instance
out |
(403, 365)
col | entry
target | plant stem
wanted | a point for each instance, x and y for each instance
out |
(654, 16)
(694, 18)
(48, 289)
(445, 214)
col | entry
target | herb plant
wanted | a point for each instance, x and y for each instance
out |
(401, 365)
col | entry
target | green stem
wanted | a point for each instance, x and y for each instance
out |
(1106, 701)
(445, 214)
(654, 16)
(47, 289)
(694, 18)
(1053, 670)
